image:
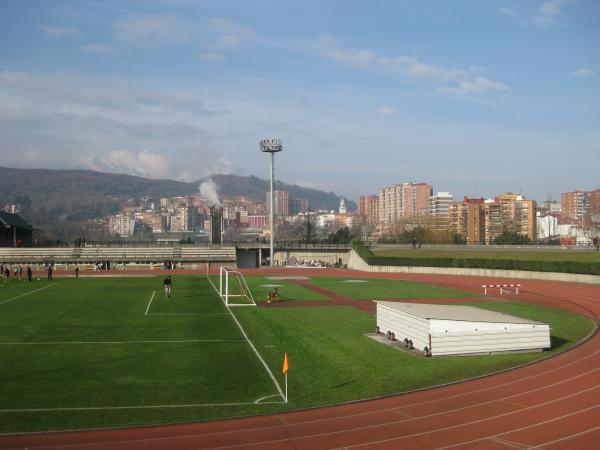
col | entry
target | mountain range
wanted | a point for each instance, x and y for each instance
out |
(59, 199)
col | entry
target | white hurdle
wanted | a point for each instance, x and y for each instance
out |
(502, 287)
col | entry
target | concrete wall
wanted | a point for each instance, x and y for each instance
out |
(355, 262)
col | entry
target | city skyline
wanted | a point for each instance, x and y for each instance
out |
(473, 98)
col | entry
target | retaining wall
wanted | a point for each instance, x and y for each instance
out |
(355, 262)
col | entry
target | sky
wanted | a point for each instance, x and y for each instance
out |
(473, 97)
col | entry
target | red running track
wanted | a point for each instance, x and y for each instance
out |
(552, 404)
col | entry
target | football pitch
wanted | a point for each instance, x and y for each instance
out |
(111, 348)
(99, 352)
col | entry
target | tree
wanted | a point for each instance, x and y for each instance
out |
(309, 235)
(341, 236)
(511, 238)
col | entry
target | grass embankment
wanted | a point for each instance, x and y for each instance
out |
(583, 262)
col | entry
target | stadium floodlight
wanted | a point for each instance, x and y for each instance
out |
(271, 146)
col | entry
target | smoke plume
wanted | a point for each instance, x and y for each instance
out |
(208, 190)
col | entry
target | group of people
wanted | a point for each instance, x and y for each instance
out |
(17, 271)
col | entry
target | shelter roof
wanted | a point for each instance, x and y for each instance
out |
(457, 313)
(13, 220)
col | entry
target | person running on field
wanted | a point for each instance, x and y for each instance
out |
(168, 284)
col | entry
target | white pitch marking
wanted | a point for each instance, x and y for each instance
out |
(27, 293)
(260, 400)
(265, 365)
(183, 341)
(100, 408)
(188, 314)
(149, 303)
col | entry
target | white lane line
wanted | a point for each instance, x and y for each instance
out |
(255, 444)
(149, 303)
(571, 436)
(102, 408)
(182, 341)
(27, 293)
(497, 436)
(439, 399)
(265, 365)
(473, 421)
(412, 419)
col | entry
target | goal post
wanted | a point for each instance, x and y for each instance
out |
(233, 288)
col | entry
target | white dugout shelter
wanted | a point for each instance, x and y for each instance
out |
(455, 330)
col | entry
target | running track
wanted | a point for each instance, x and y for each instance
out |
(552, 404)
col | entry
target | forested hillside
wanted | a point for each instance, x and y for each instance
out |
(59, 201)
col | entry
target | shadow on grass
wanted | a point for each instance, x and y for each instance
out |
(556, 342)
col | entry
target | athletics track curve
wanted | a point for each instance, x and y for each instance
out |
(552, 404)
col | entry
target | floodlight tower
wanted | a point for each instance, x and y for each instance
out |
(271, 146)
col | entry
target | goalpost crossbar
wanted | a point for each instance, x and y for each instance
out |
(226, 282)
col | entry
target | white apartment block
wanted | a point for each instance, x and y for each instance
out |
(403, 201)
(121, 225)
(440, 203)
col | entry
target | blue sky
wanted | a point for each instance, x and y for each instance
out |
(474, 97)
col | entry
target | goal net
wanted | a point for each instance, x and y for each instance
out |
(233, 288)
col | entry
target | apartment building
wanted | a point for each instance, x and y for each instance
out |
(575, 205)
(480, 221)
(368, 208)
(121, 225)
(281, 203)
(439, 206)
(403, 202)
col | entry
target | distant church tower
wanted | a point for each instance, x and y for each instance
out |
(342, 206)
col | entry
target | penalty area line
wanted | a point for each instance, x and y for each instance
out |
(149, 303)
(27, 293)
(182, 341)
(106, 408)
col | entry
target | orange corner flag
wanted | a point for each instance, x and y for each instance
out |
(285, 364)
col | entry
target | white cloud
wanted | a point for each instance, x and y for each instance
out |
(150, 30)
(99, 49)
(67, 122)
(583, 72)
(142, 163)
(550, 13)
(477, 85)
(212, 56)
(60, 31)
(329, 47)
(408, 67)
(230, 35)
(507, 12)
(386, 111)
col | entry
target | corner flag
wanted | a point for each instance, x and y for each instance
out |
(285, 364)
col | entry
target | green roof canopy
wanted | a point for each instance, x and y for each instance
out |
(13, 220)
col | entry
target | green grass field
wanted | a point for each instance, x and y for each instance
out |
(518, 255)
(83, 353)
(362, 289)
